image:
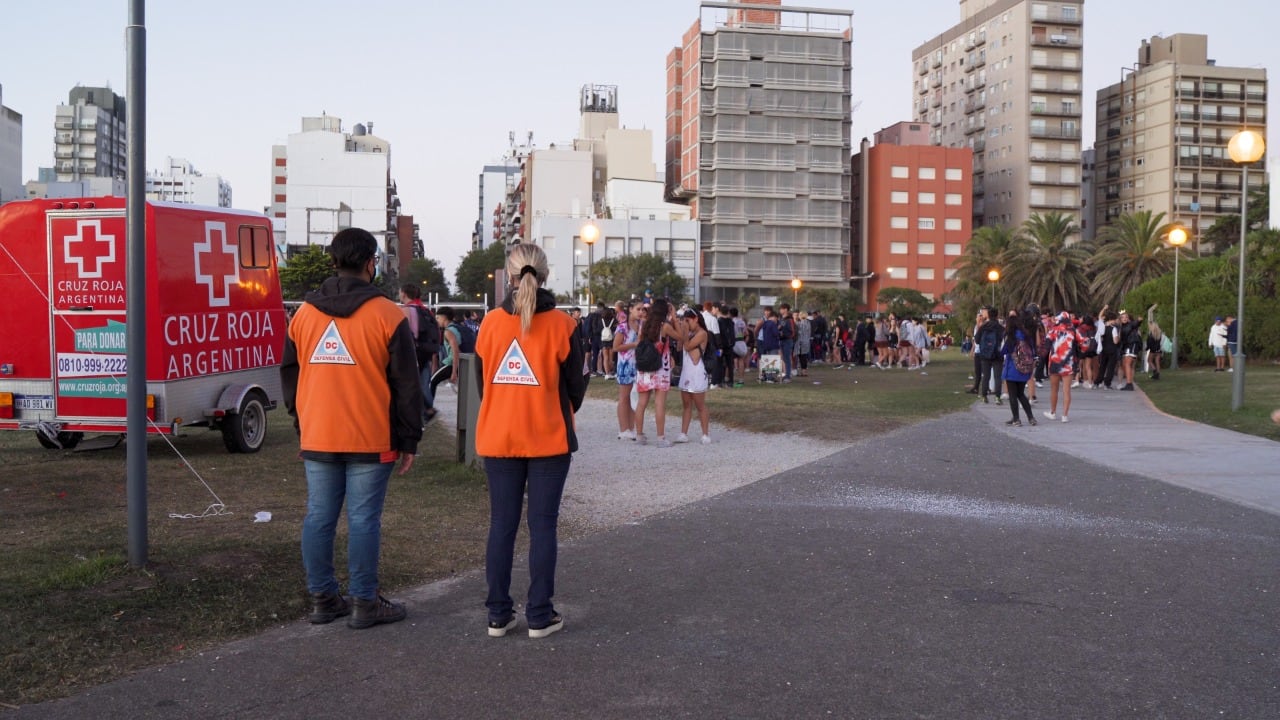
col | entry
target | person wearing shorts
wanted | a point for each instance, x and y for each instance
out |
(625, 337)
(1063, 340)
(658, 328)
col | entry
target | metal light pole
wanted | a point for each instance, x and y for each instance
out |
(136, 269)
(993, 275)
(795, 293)
(1177, 238)
(1246, 146)
(590, 233)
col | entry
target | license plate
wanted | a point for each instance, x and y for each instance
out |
(33, 403)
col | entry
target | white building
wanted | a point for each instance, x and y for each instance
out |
(89, 135)
(325, 180)
(88, 187)
(497, 179)
(10, 153)
(182, 183)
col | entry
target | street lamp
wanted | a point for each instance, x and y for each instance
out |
(1246, 146)
(993, 275)
(590, 233)
(795, 292)
(1177, 238)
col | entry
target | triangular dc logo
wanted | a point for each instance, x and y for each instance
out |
(514, 368)
(331, 350)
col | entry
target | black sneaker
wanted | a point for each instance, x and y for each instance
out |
(498, 628)
(378, 611)
(1128, 386)
(327, 607)
(1016, 423)
(557, 622)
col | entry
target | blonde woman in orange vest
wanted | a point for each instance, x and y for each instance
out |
(532, 379)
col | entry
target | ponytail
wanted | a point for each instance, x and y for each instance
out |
(528, 265)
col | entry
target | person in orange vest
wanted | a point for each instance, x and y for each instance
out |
(532, 376)
(350, 381)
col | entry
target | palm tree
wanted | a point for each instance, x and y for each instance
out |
(1131, 252)
(986, 250)
(1044, 267)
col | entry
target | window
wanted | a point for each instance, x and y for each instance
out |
(924, 223)
(255, 247)
(899, 171)
(955, 174)
(897, 273)
(926, 198)
(898, 223)
(899, 197)
(949, 273)
(954, 199)
(951, 249)
(928, 173)
(281, 198)
(897, 248)
(924, 273)
(953, 224)
(1038, 173)
(925, 248)
(1070, 13)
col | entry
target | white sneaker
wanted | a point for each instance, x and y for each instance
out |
(1050, 415)
(706, 439)
(1064, 418)
(1231, 369)
(1075, 384)
(682, 438)
(627, 435)
(1039, 384)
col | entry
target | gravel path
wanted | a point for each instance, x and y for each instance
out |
(614, 482)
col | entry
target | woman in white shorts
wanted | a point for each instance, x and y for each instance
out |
(693, 374)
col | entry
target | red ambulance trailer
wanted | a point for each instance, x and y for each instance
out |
(215, 320)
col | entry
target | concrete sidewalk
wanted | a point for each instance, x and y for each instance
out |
(1124, 431)
(939, 571)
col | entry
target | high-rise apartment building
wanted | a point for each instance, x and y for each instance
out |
(10, 153)
(326, 179)
(89, 135)
(758, 123)
(180, 182)
(1005, 82)
(913, 213)
(1163, 133)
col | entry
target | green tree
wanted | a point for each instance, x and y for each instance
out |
(1044, 268)
(426, 273)
(475, 271)
(904, 302)
(627, 276)
(1225, 231)
(831, 301)
(304, 272)
(986, 251)
(1131, 252)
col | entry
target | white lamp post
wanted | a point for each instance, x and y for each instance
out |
(795, 293)
(590, 233)
(1177, 238)
(993, 275)
(1246, 146)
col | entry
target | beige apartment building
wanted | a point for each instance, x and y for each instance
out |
(1163, 133)
(1006, 83)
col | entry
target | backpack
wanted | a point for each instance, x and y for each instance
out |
(648, 359)
(428, 337)
(606, 333)
(710, 357)
(1024, 360)
(466, 337)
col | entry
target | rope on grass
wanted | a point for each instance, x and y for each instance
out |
(215, 508)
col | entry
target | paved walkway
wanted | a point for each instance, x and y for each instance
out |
(945, 570)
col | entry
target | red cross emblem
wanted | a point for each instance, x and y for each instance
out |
(216, 263)
(89, 249)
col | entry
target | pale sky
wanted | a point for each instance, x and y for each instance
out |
(446, 82)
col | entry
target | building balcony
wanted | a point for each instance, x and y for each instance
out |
(1061, 19)
(1052, 65)
(936, 101)
(975, 104)
(1063, 111)
(1055, 181)
(923, 69)
(936, 81)
(1062, 41)
(1055, 133)
(980, 145)
(1070, 158)
(1113, 133)
(1055, 204)
(924, 89)
(976, 128)
(1056, 89)
(1113, 174)
(1113, 154)
(937, 61)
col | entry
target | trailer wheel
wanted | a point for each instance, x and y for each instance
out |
(245, 431)
(66, 440)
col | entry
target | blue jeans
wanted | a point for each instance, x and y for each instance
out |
(788, 347)
(364, 487)
(508, 479)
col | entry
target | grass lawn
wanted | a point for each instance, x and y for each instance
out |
(1198, 393)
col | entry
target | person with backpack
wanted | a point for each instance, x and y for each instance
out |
(653, 368)
(1019, 364)
(988, 338)
(459, 339)
(595, 327)
(426, 339)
